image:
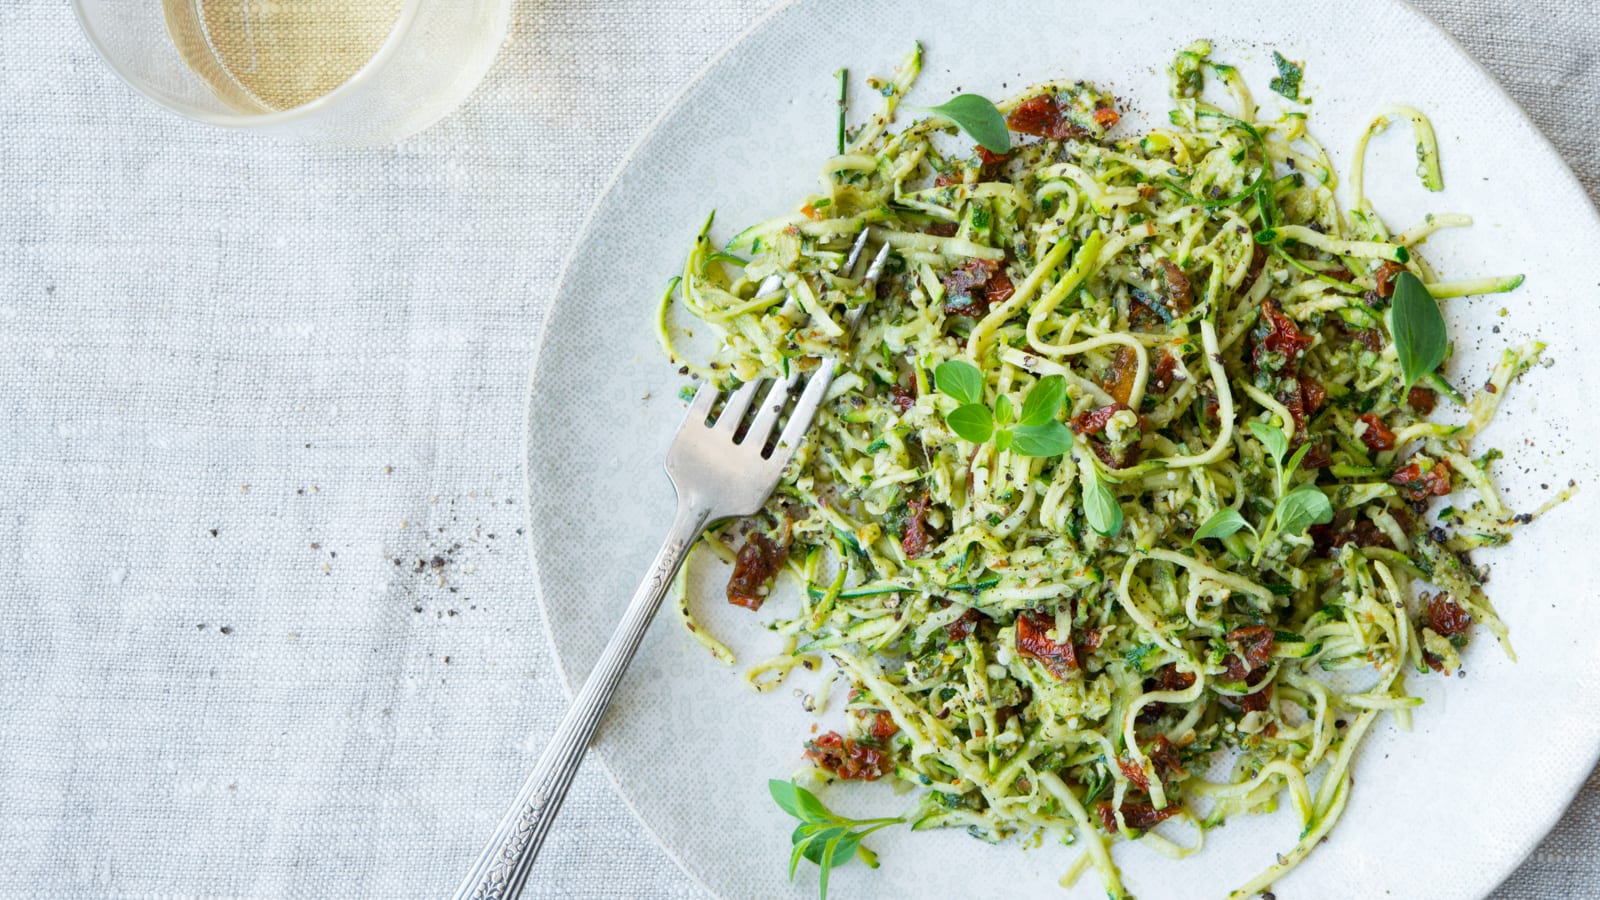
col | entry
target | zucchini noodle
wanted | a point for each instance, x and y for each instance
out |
(1197, 287)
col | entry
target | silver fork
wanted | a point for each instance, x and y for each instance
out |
(719, 472)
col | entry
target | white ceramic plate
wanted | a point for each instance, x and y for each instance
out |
(1446, 810)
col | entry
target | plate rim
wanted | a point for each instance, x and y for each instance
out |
(585, 232)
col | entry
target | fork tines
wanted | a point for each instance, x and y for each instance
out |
(731, 420)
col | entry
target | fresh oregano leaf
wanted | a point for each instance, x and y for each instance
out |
(1100, 508)
(1049, 439)
(972, 421)
(1004, 411)
(1222, 523)
(1276, 442)
(787, 795)
(1420, 339)
(822, 836)
(1043, 400)
(1295, 460)
(979, 118)
(1303, 507)
(959, 380)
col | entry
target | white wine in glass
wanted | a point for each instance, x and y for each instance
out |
(332, 71)
(269, 55)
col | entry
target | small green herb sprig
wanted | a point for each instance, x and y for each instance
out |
(1100, 507)
(979, 118)
(1420, 340)
(824, 837)
(1297, 509)
(1289, 74)
(1033, 431)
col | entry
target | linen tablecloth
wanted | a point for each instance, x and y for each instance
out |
(266, 614)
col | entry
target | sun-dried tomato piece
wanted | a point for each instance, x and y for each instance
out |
(970, 275)
(1422, 400)
(1278, 336)
(999, 289)
(1446, 617)
(753, 570)
(1385, 276)
(1164, 756)
(1139, 815)
(1378, 436)
(1106, 117)
(960, 628)
(914, 538)
(1122, 374)
(945, 179)
(1370, 338)
(1364, 534)
(1090, 643)
(942, 229)
(903, 397)
(883, 726)
(1035, 115)
(1175, 285)
(1340, 273)
(811, 212)
(1166, 370)
(1094, 421)
(1134, 773)
(1316, 458)
(964, 293)
(1041, 116)
(991, 159)
(1059, 659)
(1166, 678)
(850, 760)
(1253, 643)
(1108, 819)
(1302, 398)
(1257, 701)
(1419, 483)
(1312, 394)
(1169, 678)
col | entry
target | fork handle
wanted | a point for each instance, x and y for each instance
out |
(502, 868)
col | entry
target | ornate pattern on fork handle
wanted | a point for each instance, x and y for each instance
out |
(502, 869)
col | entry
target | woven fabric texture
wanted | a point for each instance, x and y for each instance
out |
(266, 615)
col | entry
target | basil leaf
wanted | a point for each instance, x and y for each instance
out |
(960, 381)
(1043, 400)
(1101, 508)
(972, 422)
(1050, 439)
(1002, 439)
(1289, 74)
(979, 119)
(1222, 523)
(1276, 442)
(1303, 507)
(1004, 410)
(1420, 340)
